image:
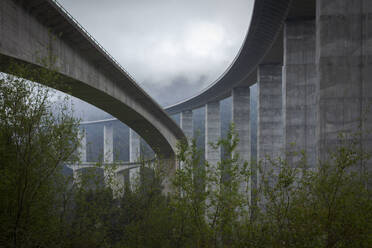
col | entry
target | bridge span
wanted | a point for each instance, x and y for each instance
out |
(311, 60)
(34, 29)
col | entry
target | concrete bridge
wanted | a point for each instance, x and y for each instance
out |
(311, 60)
(37, 28)
(126, 171)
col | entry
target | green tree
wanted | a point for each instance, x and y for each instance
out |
(36, 138)
(327, 205)
(324, 206)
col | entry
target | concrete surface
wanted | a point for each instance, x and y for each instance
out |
(344, 66)
(299, 92)
(241, 120)
(186, 124)
(269, 113)
(108, 143)
(212, 132)
(86, 70)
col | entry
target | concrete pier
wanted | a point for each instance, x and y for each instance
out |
(108, 144)
(85, 69)
(82, 153)
(186, 124)
(299, 92)
(134, 146)
(82, 150)
(269, 113)
(122, 182)
(240, 117)
(108, 155)
(212, 132)
(134, 155)
(344, 55)
(212, 135)
(241, 120)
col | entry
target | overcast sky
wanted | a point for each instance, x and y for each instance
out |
(173, 48)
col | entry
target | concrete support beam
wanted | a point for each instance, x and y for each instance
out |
(186, 124)
(126, 179)
(122, 182)
(212, 135)
(299, 92)
(241, 120)
(77, 173)
(82, 153)
(269, 113)
(82, 150)
(240, 117)
(108, 154)
(134, 146)
(212, 132)
(134, 155)
(108, 145)
(85, 71)
(344, 65)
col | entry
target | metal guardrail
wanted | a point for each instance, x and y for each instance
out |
(98, 121)
(92, 38)
(120, 165)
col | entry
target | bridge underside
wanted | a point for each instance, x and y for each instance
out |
(36, 29)
(311, 60)
(263, 45)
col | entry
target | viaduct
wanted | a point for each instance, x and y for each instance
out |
(311, 60)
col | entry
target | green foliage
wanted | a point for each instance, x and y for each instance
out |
(324, 206)
(210, 205)
(36, 138)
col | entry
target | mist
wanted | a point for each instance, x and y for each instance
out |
(172, 48)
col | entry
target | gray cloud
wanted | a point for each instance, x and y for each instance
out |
(168, 46)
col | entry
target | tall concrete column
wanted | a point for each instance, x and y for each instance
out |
(212, 135)
(212, 132)
(77, 173)
(82, 150)
(126, 179)
(122, 181)
(134, 155)
(108, 153)
(108, 144)
(299, 92)
(82, 153)
(241, 120)
(343, 58)
(134, 146)
(269, 113)
(186, 124)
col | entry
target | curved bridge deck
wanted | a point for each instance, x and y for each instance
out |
(35, 29)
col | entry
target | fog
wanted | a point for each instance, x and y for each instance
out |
(172, 48)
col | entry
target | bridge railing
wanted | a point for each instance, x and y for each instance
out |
(79, 26)
(120, 166)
